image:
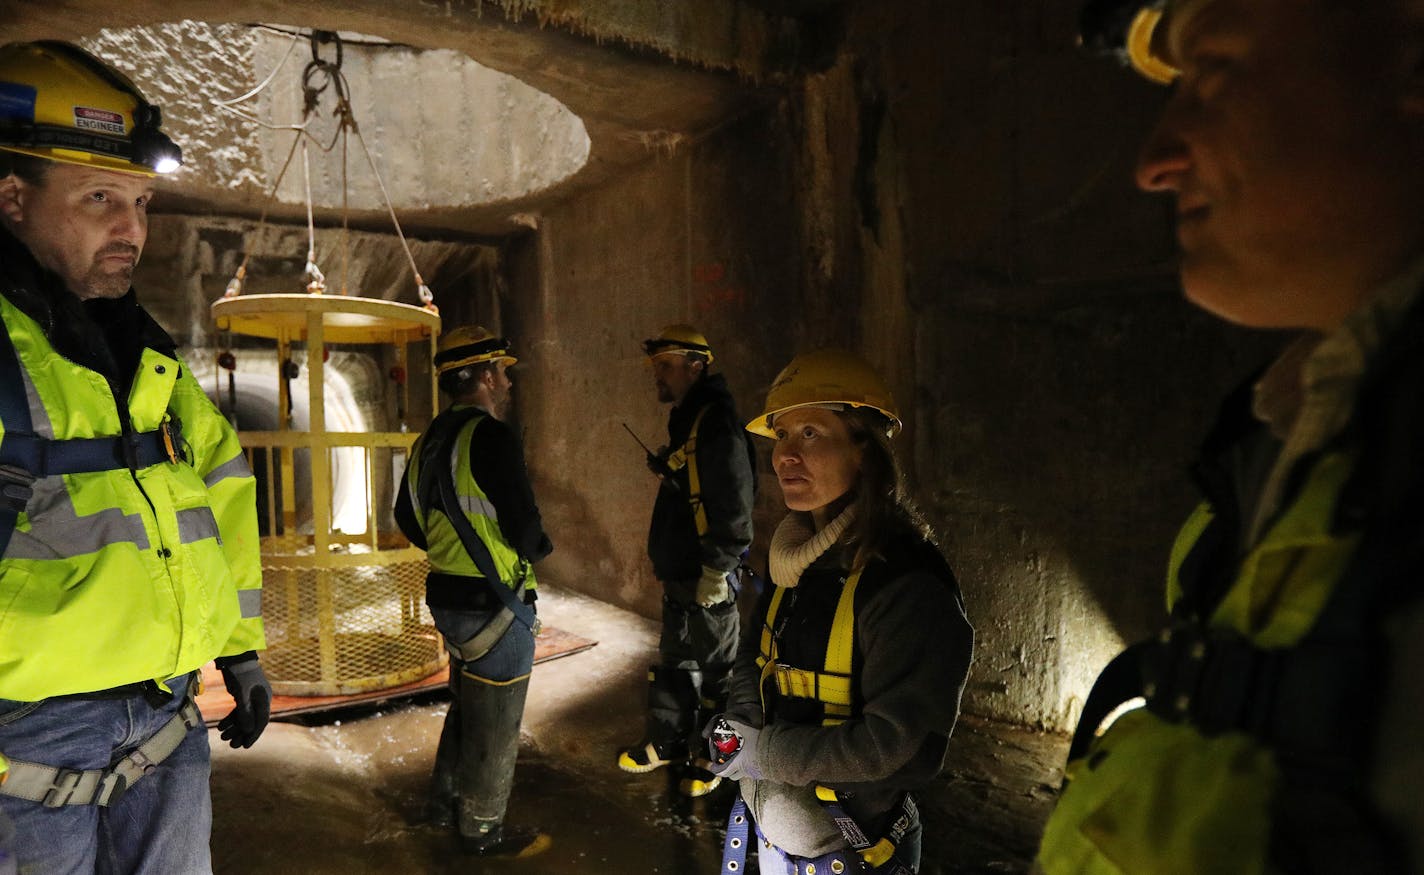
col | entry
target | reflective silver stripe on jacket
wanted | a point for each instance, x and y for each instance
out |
(58, 532)
(470, 503)
(476, 504)
(250, 601)
(197, 524)
(410, 484)
(235, 467)
(39, 417)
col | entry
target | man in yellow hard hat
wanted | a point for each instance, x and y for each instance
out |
(466, 500)
(128, 519)
(1281, 729)
(701, 527)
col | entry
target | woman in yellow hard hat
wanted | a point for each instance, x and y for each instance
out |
(852, 682)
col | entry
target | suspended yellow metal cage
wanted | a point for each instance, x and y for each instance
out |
(344, 613)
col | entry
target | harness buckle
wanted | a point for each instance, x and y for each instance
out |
(16, 487)
(141, 762)
(66, 781)
(170, 441)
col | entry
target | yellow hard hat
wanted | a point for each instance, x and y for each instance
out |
(59, 102)
(1132, 32)
(826, 376)
(468, 345)
(677, 339)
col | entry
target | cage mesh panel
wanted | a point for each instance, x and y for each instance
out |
(336, 631)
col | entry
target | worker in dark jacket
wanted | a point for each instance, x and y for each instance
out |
(844, 699)
(702, 525)
(481, 587)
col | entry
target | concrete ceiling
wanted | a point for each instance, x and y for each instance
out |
(644, 78)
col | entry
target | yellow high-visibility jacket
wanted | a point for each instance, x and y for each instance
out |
(117, 576)
(1161, 797)
(444, 549)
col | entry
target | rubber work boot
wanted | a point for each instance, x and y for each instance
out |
(442, 803)
(490, 712)
(672, 704)
(652, 755)
(697, 779)
(515, 843)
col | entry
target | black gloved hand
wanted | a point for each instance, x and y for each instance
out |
(247, 684)
(657, 463)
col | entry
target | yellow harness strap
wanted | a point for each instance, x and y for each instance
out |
(686, 456)
(876, 855)
(832, 686)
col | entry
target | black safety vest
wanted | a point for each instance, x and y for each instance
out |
(808, 654)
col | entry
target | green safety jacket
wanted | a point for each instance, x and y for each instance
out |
(1252, 752)
(444, 550)
(142, 571)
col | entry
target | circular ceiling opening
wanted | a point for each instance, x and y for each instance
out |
(442, 130)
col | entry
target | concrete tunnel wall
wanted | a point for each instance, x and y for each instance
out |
(925, 199)
(953, 198)
(950, 194)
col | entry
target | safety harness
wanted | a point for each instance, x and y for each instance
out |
(863, 856)
(685, 456)
(26, 457)
(833, 687)
(437, 439)
(56, 787)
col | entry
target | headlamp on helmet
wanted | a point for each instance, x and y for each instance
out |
(1130, 32)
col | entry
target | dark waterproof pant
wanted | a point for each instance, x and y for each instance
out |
(696, 652)
(474, 764)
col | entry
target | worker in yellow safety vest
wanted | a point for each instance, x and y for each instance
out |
(128, 520)
(1276, 726)
(466, 500)
(700, 530)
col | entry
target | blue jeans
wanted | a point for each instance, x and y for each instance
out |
(512, 657)
(160, 826)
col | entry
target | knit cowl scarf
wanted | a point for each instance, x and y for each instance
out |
(796, 544)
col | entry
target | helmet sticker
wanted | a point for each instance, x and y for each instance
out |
(90, 119)
(17, 102)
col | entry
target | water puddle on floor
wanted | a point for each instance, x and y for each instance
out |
(333, 798)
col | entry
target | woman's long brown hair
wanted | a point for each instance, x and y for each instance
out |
(881, 500)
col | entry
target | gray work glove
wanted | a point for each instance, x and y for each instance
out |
(712, 588)
(747, 762)
(247, 684)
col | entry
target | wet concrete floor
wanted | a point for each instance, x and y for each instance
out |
(343, 792)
